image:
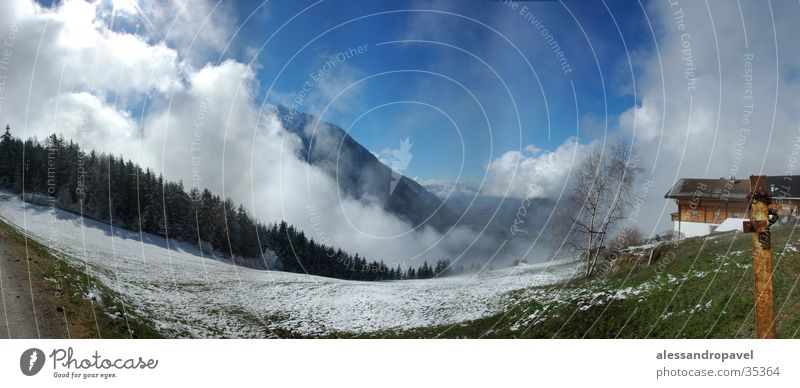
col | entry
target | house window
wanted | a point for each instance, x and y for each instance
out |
(693, 213)
(735, 215)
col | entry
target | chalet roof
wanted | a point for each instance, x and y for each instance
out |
(689, 188)
(781, 186)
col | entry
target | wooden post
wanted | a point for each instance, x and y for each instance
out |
(762, 256)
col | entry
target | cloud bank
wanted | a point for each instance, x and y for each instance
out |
(152, 101)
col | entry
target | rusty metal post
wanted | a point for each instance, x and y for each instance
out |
(762, 256)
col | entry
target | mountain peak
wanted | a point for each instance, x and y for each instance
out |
(361, 175)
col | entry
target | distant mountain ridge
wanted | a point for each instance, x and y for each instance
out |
(361, 175)
(500, 215)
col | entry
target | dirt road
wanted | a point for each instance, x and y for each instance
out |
(24, 310)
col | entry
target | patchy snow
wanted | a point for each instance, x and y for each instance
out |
(186, 294)
(643, 247)
(731, 224)
(93, 294)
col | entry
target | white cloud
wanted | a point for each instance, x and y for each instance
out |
(128, 6)
(530, 173)
(515, 174)
(95, 120)
(198, 29)
(444, 188)
(532, 149)
(68, 73)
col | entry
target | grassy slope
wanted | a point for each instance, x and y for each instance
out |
(66, 288)
(698, 288)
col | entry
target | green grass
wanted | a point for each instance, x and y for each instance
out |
(697, 288)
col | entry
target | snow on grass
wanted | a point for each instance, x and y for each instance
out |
(700, 307)
(188, 295)
(643, 247)
(601, 293)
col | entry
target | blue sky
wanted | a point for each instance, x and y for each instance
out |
(428, 73)
(400, 75)
(418, 78)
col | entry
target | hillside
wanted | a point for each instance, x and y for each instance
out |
(124, 195)
(46, 296)
(180, 292)
(697, 288)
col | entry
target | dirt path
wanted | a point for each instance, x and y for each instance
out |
(25, 312)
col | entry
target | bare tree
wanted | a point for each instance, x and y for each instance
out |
(601, 193)
(629, 237)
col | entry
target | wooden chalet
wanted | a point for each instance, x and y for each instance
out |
(704, 204)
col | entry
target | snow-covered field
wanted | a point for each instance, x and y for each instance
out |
(188, 295)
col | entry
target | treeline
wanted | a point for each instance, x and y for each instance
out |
(123, 194)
